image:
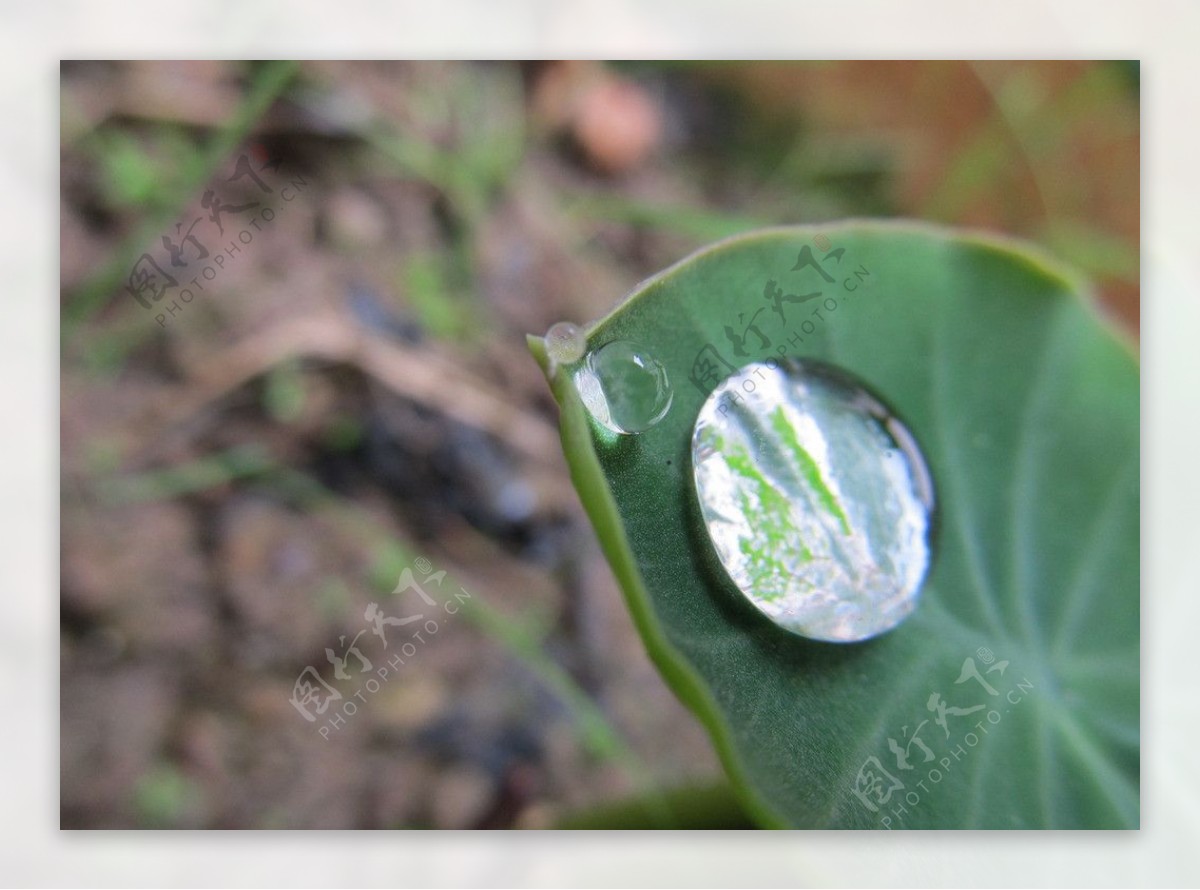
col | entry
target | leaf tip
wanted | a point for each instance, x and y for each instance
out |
(537, 346)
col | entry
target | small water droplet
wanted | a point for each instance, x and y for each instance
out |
(565, 343)
(816, 498)
(624, 387)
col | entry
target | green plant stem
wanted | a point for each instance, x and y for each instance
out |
(712, 806)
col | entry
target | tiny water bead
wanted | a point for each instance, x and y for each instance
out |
(817, 500)
(624, 387)
(565, 343)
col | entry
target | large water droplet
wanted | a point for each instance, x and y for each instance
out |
(624, 387)
(817, 500)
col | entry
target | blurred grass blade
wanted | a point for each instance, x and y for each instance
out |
(189, 478)
(595, 731)
(269, 82)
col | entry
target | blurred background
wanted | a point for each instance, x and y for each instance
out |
(252, 457)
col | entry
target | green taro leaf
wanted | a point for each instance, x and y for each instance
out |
(1026, 407)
